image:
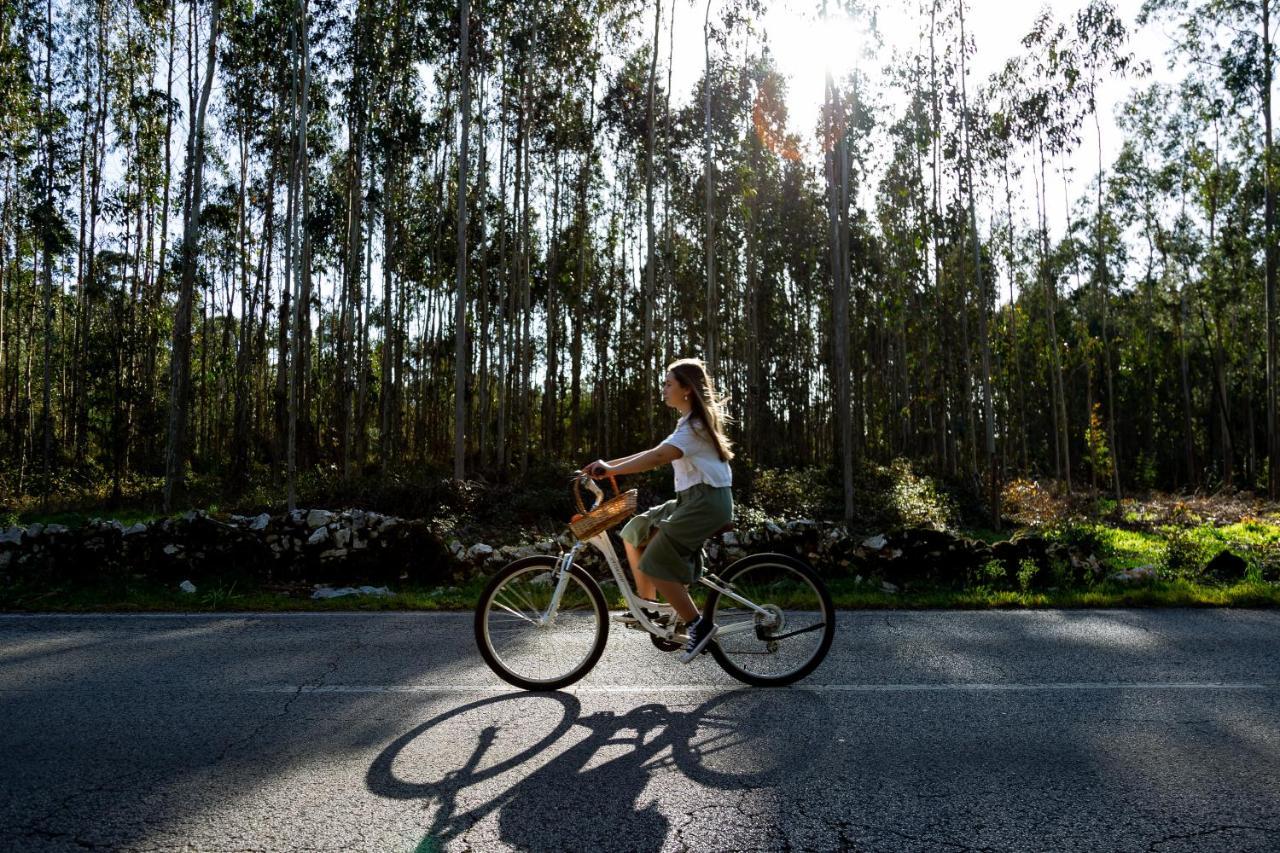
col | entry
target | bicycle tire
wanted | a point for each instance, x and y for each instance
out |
(756, 562)
(494, 658)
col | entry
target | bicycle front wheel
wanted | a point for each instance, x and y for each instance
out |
(527, 644)
(787, 636)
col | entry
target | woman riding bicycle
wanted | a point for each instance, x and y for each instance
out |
(664, 543)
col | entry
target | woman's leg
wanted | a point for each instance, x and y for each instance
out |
(648, 588)
(678, 595)
(644, 584)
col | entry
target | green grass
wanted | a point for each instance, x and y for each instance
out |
(1127, 549)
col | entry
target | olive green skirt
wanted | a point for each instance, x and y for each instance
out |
(679, 527)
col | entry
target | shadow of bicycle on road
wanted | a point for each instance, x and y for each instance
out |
(515, 757)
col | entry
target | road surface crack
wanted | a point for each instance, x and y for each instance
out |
(331, 666)
(1169, 839)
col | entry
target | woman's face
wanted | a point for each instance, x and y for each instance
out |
(673, 393)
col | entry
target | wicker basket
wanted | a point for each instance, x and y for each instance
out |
(609, 513)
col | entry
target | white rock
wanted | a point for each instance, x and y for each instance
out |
(543, 579)
(261, 522)
(885, 586)
(359, 545)
(12, 535)
(319, 535)
(333, 553)
(318, 518)
(35, 530)
(134, 530)
(731, 539)
(172, 550)
(479, 551)
(456, 548)
(1135, 575)
(546, 546)
(341, 537)
(187, 586)
(773, 528)
(54, 529)
(875, 543)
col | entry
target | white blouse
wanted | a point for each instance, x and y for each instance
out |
(701, 462)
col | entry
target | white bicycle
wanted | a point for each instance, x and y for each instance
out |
(542, 622)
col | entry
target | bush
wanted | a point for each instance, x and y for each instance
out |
(800, 493)
(1183, 555)
(1027, 571)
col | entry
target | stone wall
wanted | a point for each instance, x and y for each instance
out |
(321, 546)
(305, 545)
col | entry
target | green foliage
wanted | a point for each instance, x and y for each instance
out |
(1184, 553)
(797, 493)
(1027, 571)
(1095, 440)
(990, 575)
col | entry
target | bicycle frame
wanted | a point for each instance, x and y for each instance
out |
(635, 604)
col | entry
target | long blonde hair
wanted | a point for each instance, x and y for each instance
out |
(708, 407)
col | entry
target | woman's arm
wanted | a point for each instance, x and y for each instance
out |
(621, 459)
(644, 461)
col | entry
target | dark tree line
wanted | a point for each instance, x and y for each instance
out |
(253, 239)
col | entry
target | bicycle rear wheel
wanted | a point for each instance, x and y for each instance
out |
(529, 647)
(791, 637)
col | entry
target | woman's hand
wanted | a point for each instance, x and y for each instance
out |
(598, 470)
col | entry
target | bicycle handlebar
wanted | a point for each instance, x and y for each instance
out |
(581, 478)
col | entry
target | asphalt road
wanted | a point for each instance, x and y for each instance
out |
(1075, 730)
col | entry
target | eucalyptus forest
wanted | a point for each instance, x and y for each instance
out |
(245, 240)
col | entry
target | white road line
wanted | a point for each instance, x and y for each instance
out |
(821, 688)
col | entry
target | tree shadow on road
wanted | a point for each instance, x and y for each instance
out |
(587, 794)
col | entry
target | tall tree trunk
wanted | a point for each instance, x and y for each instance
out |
(840, 294)
(460, 296)
(650, 274)
(1104, 294)
(1269, 241)
(180, 368)
(988, 407)
(47, 245)
(1050, 291)
(712, 346)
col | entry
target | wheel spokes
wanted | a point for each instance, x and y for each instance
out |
(532, 644)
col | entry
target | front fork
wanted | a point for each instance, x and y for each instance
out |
(561, 581)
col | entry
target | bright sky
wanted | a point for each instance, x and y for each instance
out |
(802, 45)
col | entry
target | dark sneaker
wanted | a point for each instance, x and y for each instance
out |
(701, 633)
